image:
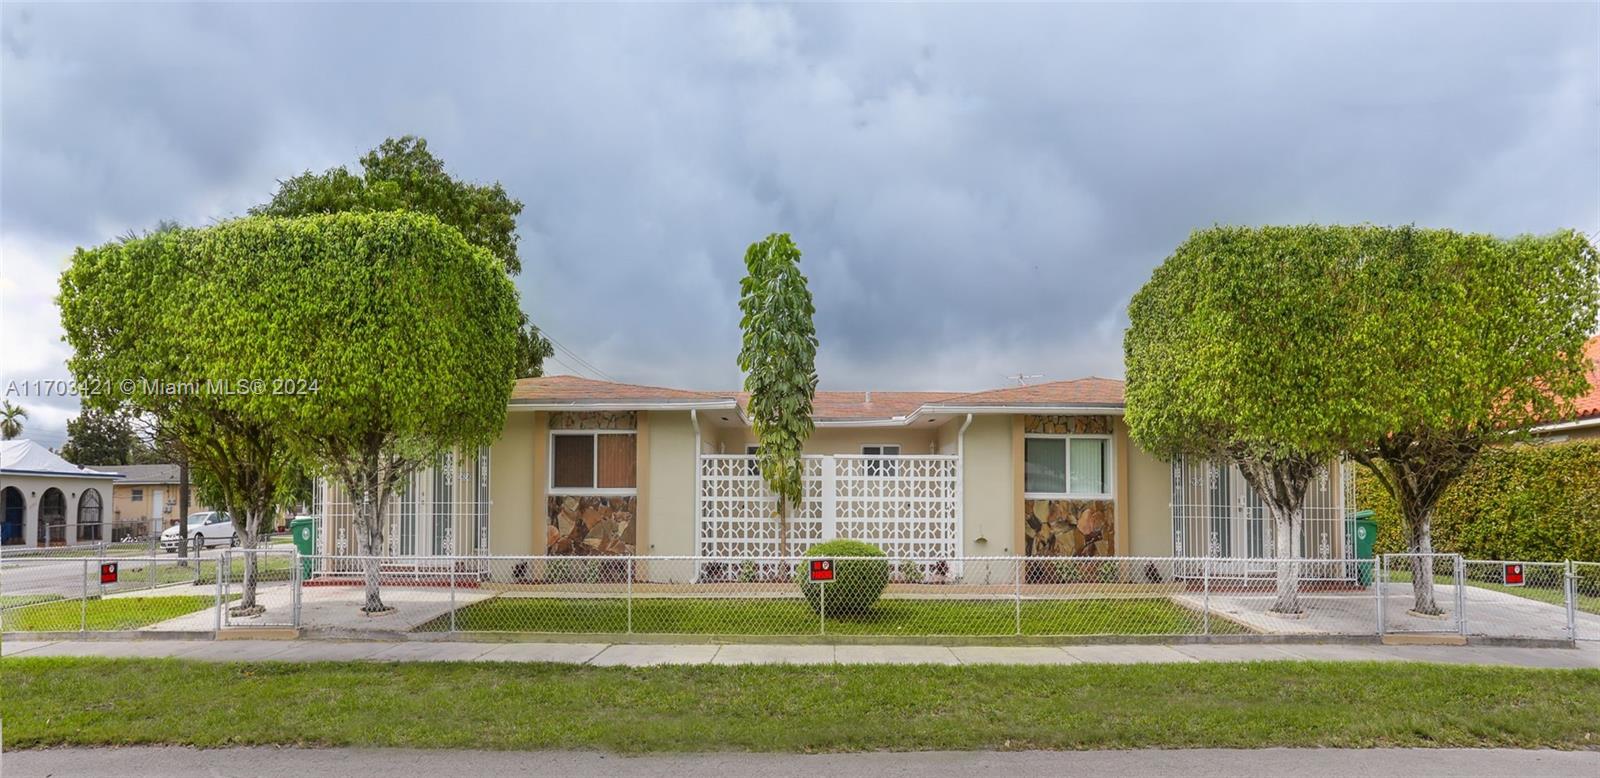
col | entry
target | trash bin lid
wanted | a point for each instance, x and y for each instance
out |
(1360, 515)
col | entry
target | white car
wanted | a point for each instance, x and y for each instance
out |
(209, 528)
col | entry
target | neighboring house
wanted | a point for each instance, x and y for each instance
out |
(146, 499)
(1585, 422)
(588, 467)
(47, 501)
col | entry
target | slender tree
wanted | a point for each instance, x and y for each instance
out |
(778, 358)
(1234, 353)
(401, 174)
(1467, 340)
(11, 417)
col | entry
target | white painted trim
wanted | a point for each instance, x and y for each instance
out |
(551, 490)
(1108, 467)
(961, 482)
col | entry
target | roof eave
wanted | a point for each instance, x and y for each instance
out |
(1584, 423)
(623, 405)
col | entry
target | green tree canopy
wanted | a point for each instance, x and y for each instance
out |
(1466, 341)
(95, 437)
(1234, 351)
(779, 361)
(401, 174)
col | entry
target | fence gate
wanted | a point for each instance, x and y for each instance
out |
(1398, 602)
(277, 588)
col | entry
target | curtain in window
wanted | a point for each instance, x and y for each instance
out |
(1088, 466)
(1045, 465)
(573, 461)
(618, 460)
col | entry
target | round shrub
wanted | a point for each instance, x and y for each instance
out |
(856, 584)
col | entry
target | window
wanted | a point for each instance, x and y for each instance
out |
(138, 495)
(89, 515)
(755, 464)
(1067, 465)
(587, 461)
(880, 466)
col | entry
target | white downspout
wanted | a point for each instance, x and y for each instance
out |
(961, 483)
(694, 421)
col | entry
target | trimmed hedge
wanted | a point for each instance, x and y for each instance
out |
(1535, 503)
(857, 583)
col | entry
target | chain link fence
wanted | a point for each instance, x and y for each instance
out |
(875, 598)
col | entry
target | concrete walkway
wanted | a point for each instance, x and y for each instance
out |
(143, 762)
(642, 655)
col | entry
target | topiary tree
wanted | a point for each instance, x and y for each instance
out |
(411, 334)
(859, 576)
(779, 361)
(1465, 342)
(155, 324)
(402, 174)
(1235, 352)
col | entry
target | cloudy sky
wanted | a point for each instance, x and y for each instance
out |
(977, 189)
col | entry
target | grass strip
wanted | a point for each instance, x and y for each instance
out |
(113, 613)
(685, 616)
(103, 702)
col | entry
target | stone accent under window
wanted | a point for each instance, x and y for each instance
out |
(1070, 528)
(591, 526)
(594, 420)
(1067, 425)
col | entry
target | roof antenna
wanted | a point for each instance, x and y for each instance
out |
(1022, 378)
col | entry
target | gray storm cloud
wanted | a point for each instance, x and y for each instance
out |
(977, 189)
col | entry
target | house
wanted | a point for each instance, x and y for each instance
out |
(46, 500)
(145, 499)
(585, 467)
(1585, 422)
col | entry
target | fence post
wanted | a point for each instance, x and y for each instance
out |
(1460, 567)
(1378, 581)
(630, 594)
(83, 604)
(1572, 601)
(295, 560)
(222, 597)
(1017, 596)
(1205, 609)
(451, 571)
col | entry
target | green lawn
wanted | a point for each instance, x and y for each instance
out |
(102, 614)
(100, 702)
(1147, 616)
(19, 600)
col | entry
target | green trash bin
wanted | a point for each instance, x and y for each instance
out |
(304, 531)
(1366, 538)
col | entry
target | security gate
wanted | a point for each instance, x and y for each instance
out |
(1397, 603)
(277, 588)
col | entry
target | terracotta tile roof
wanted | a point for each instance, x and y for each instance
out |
(1589, 404)
(572, 389)
(1079, 391)
(857, 406)
(827, 406)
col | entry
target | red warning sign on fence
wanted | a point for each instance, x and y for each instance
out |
(108, 572)
(821, 570)
(1513, 574)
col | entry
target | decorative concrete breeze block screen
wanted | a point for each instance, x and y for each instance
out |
(906, 505)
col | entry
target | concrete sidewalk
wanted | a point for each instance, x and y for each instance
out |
(645, 655)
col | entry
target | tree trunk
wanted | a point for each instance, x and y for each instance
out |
(783, 527)
(247, 595)
(369, 536)
(1288, 565)
(1421, 526)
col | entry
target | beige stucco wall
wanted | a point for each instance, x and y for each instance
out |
(33, 488)
(516, 486)
(989, 502)
(1149, 505)
(668, 465)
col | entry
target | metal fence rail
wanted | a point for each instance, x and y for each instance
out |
(875, 597)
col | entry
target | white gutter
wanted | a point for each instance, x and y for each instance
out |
(694, 421)
(1567, 425)
(929, 410)
(961, 481)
